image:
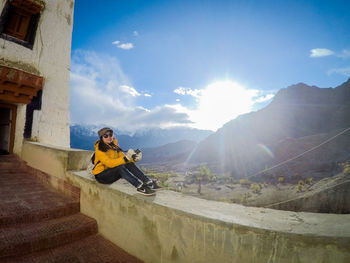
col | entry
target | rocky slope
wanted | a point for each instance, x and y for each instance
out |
(255, 140)
(172, 156)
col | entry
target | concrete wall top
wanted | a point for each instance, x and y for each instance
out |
(314, 224)
(54, 160)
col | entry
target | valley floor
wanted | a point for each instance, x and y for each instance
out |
(268, 195)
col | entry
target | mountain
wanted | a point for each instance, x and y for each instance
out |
(84, 136)
(250, 142)
(157, 137)
(324, 161)
(171, 156)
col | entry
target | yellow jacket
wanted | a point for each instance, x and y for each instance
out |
(109, 159)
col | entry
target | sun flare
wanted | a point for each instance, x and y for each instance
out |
(221, 102)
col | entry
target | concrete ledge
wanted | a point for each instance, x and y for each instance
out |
(172, 227)
(54, 160)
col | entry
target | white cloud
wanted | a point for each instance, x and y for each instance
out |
(135, 33)
(264, 98)
(180, 91)
(126, 46)
(102, 94)
(343, 71)
(177, 100)
(321, 52)
(162, 116)
(129, 90)
(194, 92)
(187, 91)
(219, 103)
(143, 108)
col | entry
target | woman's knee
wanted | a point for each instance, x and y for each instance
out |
(105, 179)
(108, 176)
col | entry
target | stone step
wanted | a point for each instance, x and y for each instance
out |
(11, 161)
(12, 165)
(9, 158)
(39, 224)
(25, 200)
(24, 239)
(24, 212)
(93, 249)
(16, 176)
(13, 170)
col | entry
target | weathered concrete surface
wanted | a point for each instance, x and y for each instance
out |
(54, 160)
(172, 227)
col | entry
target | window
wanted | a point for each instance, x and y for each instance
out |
(19, 21)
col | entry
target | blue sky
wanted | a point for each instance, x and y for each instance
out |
(143, 64)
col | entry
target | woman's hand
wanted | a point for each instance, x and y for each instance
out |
(134, 155)
(138, 155)
(129, 154)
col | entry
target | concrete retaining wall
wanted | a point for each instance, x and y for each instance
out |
(172, 227)
(54, 160)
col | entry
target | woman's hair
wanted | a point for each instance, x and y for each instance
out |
(103, 147)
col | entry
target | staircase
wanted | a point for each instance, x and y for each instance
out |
(38, 224)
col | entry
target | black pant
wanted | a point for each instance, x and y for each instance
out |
(129, 172)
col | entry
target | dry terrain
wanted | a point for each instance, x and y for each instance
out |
(257, 194)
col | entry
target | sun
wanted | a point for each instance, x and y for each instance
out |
(221, 102)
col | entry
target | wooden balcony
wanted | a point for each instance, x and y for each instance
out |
(17, 86)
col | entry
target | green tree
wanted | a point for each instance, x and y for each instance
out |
(203, 176)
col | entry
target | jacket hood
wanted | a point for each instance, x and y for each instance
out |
(96, 144)
(115, 141)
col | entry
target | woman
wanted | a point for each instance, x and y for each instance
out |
(111, 164)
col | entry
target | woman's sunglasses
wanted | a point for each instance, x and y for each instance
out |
(108, 135)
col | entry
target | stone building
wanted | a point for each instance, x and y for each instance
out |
(35, 48)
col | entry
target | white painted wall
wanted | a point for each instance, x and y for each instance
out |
(20, 121)
(50, 57)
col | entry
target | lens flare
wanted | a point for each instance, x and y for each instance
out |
(267, 150)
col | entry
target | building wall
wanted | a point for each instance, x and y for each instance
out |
(20, 121)
(49, 58)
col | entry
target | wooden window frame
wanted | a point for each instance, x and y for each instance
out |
(26, 39)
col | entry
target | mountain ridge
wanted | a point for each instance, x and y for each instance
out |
(244, 145)
(84, 136)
